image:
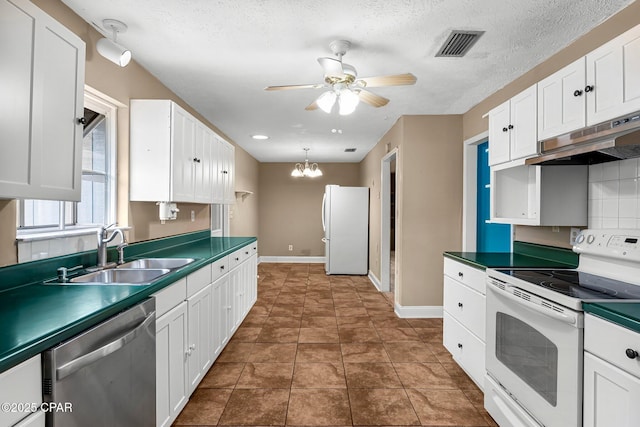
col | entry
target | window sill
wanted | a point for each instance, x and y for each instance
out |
(31, 236)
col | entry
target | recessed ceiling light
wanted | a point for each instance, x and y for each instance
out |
(336, 131)
(259, 136)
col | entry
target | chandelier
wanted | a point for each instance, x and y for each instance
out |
(310, 171)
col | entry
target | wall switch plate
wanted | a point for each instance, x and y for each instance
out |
(290, 248)
(573, 235)
(555, 229)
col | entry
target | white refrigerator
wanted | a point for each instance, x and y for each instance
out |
(345, 220)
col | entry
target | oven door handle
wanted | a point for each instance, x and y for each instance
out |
(535, 307)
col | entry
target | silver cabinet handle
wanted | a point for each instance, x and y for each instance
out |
(87, 359)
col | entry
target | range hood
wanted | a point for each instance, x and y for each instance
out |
(615, 140)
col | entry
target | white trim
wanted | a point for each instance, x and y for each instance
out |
(293, 259)
(418, 311)
(374, 280)
(469, 193)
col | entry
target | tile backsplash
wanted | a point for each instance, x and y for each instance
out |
(614, 194)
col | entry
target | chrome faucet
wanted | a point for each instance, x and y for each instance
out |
(103, 238)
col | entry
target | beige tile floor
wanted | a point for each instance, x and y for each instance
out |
(319, 350)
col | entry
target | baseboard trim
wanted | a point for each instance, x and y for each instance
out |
(376, 282)
(418, 311)
(293, 259)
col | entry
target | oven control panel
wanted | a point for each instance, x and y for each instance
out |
(611, 243)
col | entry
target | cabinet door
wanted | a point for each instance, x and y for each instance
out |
(524, 127)
(235, 297)
(199, 336)
(217, 170)
(43, 72)
(171, 382)
(613, 71)
(562, 101)
(182, 147)
(202, 165)
(610, 395)
(219, 314)
(228, 173)
(499, 150)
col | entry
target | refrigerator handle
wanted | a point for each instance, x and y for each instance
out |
(324, 201)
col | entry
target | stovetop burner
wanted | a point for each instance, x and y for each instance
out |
(577, 284)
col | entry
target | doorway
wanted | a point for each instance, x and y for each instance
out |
(389, 220)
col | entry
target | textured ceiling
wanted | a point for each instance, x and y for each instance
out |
(219, 55)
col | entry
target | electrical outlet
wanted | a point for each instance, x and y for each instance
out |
(290, 248)
(555, 229)
(193, 216)
(573, 235)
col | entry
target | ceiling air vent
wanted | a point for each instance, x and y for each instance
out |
(458, 43)
(349, 150)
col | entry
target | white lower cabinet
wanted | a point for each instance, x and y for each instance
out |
(199, 349)
(22, 385)
(611, 377)
(464, 317)
(171, 359)
(195, 320)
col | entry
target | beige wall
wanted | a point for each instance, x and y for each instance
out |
(370, 176)
(123, 84)
(291, 208)
(244, 214)
(429, 202)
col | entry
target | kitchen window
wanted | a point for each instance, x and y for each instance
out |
(41, 219)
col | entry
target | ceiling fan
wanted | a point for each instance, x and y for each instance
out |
(344, 85)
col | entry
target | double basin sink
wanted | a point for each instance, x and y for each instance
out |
(139, 272)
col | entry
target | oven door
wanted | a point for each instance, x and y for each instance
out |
(534, 351)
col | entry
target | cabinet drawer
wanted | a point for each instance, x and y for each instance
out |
(198, 280)
(470, 276)
(610, 342)
(465, 305)
(219, 267)
(466, 348)
(20, 385)
(237, 257)
(253, 248)
(170, 297)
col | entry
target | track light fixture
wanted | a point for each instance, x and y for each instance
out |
(109, 48)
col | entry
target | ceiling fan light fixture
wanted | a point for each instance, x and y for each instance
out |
(326, 101)
(348, 102)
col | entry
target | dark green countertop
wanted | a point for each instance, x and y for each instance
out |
(525, 255)
(625, 314)
(35, 316)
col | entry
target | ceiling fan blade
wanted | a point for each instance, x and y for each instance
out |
(393, 80)
(312, 106)
(372, 99)
(289, 87)
(332, 67)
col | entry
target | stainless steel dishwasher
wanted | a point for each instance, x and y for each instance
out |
(106, 375)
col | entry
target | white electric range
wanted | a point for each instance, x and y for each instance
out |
(534, 328)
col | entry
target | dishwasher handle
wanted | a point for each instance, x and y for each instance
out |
(89, 358)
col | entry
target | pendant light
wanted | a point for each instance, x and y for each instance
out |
(305, 170)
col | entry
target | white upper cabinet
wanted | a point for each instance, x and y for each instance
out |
(596, 88)
(224, 172)
(562, 101)
(176, 158)
(512, 128)
(612, 78)
(42, 100)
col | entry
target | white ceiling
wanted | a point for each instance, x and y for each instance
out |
(219, 55)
